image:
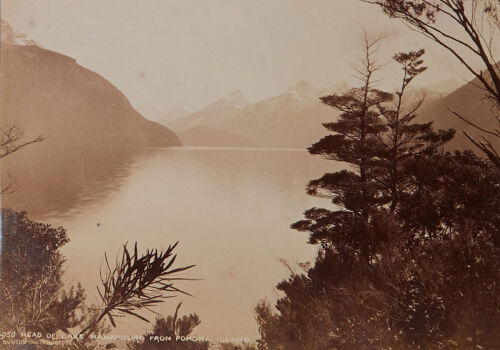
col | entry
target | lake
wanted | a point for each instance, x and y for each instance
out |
(230, 209)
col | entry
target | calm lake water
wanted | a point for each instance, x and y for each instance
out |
(230, 209)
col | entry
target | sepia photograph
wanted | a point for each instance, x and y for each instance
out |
(250, 174)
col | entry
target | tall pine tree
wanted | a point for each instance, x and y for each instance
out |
(354, 141)
(409, 254)
(404, 138)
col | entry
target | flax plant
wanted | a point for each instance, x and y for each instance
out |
(136, 283)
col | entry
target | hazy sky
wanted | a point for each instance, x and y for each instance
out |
(171, 53)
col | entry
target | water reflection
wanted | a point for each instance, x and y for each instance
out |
(230, 210)
(60, 180)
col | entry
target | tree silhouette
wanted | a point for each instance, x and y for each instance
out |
(468, 30)
(399, 265)
(355, 141)
(12, 140)
(404, 138)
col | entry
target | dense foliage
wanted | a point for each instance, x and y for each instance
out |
(409, 253)
(178, 329)
(32, 297)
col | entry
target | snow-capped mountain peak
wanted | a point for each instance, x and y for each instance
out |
(302, 93)
(235, 99)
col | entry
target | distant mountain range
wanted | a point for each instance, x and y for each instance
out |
(291, 119)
